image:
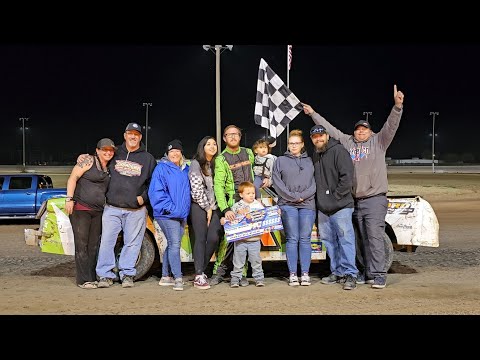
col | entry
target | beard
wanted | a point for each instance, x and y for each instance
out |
(322, 147)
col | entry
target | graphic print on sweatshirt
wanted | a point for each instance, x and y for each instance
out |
(128, 168)
(360, 152)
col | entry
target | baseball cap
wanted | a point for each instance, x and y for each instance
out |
(105, 142)
(318, 129)
(364, 123)
(134, 126)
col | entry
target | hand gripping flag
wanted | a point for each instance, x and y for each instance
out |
(275, 104)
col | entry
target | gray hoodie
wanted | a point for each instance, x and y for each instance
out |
(293, 179)
(370, 169)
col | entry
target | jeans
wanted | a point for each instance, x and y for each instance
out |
(241, 249)
(257, 181)
(338, 235)
(133, 223)
(298, 224)
(173, 230)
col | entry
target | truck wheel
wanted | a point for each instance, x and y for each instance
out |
(145, 257)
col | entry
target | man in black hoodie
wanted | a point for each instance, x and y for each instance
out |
(131, 170)
(334, 176)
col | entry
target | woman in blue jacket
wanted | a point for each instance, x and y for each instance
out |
(169, 195)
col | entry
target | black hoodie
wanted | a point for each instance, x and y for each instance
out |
(334, 178)
(130, 177)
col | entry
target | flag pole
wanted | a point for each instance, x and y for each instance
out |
(289, 49)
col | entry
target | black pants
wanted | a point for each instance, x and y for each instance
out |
(206, 236)
(87, 229)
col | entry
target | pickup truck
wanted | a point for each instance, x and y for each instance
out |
(22, 195)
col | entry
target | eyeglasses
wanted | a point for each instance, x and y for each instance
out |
(295, 143)
(108, 150)
(232, 135)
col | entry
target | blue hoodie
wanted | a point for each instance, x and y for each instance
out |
(169, 191)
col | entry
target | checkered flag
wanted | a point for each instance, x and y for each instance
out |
(275, 104)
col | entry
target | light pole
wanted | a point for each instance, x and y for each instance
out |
(146, 124)
(366, 113)
(23, 119)
(433, 139)
(218, 49)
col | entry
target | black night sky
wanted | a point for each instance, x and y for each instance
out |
(76, 94)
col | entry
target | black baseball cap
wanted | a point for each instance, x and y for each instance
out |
(133, 126)
(364, 123)
(318, 129)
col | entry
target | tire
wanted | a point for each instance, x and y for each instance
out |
(388, 251)
(145, 259)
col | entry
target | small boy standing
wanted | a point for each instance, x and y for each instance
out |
(250, 246)
(263, 165)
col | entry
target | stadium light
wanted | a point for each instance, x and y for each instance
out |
(366, 113)
(146, 124)
(218, 49)
(23, 119)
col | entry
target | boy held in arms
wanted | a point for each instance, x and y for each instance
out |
(250, 246)
(262, 166)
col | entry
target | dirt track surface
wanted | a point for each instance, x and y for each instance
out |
(440, 280)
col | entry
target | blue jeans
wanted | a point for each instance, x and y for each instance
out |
(257, 181)
(338, 235)
(297, 224)
(133, 223)
(173, 230)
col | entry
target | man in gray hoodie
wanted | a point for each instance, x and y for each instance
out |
(370, 185)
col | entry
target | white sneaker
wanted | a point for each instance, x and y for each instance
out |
(305, 280)
(201, 282)
(293, 281)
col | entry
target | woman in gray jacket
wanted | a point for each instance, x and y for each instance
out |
(294, 183)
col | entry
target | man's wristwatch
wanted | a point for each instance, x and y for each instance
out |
(69, 198)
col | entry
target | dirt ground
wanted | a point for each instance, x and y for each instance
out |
(440, 280)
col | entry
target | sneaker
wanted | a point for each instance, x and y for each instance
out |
(201, 282)
(178, 285)
(360, 279)
(293, 280)
(379, 283)
(259, 283)
(332, 279)
(234, 283)
(105, 282)
(244, 282)
(88, 285)
(216, 279)
(350, 282)
(127, 281)
(305, 280)
(166, 281)
(369, 281)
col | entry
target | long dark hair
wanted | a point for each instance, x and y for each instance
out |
(202, 159)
